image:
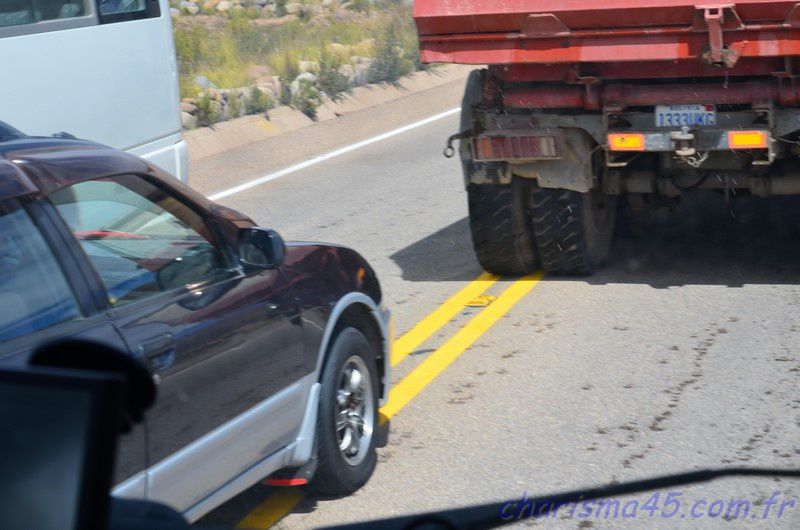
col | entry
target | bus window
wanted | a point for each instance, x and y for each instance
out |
(112, 7)
(132, 39)
(121, 10)
(20, 12)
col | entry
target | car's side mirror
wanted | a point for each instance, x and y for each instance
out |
(261, 248)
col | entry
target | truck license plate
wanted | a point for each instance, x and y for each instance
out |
(691, 115)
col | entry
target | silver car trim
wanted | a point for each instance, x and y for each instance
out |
(260, 470)
(133, 487)
(295, 454)
(303, 447)
(247, 427)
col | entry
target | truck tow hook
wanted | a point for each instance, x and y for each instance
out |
(450, 151)
(683, 147)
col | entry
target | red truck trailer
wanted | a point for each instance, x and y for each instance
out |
(587, 107)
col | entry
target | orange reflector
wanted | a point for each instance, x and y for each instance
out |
(626, 142)
(747, 139)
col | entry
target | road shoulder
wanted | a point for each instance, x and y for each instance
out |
(242, 163)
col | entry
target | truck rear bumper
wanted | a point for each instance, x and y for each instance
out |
(757, 142)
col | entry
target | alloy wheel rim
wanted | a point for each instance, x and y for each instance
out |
(354, 411)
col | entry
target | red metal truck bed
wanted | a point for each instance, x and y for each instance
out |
(545, 39)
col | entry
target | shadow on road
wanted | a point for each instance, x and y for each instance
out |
(704, 241)
(443, 256)
(708, 242)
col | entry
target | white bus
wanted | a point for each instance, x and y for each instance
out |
(102, 70)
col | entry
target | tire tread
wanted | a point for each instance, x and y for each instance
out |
(558, 230)
(500, 228)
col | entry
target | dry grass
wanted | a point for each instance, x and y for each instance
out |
(224, 49)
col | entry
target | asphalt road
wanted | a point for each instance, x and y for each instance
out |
(681, 354)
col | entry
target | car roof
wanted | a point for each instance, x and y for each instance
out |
(34, 165)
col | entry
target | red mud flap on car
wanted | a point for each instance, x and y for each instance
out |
(294, 476)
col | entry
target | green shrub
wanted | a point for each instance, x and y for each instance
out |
(280, 8)
(389, 64)
(252, 12)
(304, 14)
(287, 70)
(235, 104)
(307, 99)
(188, 49)
(286, 65)
(246, 37)
(329, 79)
(363, 6)
(224, 48)
(206, 115)
(258, 102)
(410, 44)
(286, 92)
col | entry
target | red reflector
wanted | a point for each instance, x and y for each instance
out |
(514, 147)
(286, 482)
(484, 147)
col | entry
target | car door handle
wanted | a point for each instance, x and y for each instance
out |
(160, 351)
(157, 346)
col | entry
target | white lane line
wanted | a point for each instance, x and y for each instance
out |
(327, 156)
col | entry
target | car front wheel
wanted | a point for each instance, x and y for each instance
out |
(348, 414)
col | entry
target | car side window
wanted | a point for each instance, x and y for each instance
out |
(141, 240)
(34, 293)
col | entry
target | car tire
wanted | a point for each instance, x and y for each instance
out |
(347, 408)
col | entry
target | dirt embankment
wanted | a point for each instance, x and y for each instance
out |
(238, 132)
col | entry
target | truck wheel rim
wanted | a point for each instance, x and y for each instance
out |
(355, 410)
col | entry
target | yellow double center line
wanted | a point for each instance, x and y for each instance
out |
(411, 385)
(278, 505)
(436, 320)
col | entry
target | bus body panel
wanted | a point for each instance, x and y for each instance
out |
(116, 84)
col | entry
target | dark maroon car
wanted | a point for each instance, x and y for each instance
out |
(271, 357)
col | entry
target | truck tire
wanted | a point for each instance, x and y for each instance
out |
(499, 219)
(473, 95)
(573, 230)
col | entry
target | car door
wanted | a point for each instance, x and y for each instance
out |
(222, 342)
(44, 296)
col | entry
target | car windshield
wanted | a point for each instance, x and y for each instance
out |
(388, 257)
